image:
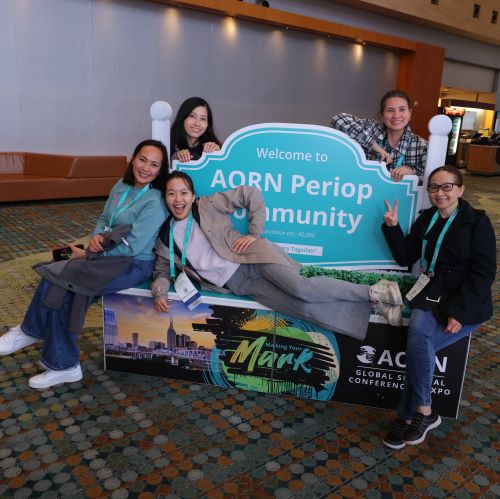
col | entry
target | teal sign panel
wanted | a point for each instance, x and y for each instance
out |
(324, 199)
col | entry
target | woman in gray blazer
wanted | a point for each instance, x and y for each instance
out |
(199, 242)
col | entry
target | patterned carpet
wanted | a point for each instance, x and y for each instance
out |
(121, 435)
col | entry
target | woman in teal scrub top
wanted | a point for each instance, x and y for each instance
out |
(136, 202)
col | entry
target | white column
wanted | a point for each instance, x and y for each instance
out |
(161, 112)
(439, 128)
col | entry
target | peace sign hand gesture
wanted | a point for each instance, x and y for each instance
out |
(391, 215)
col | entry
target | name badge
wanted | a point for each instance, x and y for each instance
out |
(422, 281)
(186, 291)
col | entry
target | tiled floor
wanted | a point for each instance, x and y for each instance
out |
(28, 228)
(122, 435)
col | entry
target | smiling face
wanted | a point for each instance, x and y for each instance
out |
(179, 198)
(146, 165)
(396, 114)
(445, 202)
(196, 124)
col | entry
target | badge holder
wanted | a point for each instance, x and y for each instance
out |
(424, 278)
(422, 281)
(184, 287)
(186, 291)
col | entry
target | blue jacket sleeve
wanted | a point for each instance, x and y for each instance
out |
(146, 224)
(106, 213)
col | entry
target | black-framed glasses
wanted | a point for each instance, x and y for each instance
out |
(446, 187)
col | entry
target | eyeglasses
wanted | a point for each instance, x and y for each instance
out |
(446, 187)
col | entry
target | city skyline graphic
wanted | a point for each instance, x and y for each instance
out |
(129, 310)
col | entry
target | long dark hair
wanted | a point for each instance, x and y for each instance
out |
(459, 179)
(395, 93)
(160, 181)
(178, 138)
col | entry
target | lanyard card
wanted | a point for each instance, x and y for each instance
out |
(186, 291)
(422, 281)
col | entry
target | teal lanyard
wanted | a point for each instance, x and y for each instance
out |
(119, 209)
(423, 261)
(401, 157)
(184, 247)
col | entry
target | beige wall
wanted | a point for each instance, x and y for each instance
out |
(488, 98)
(450, 15)
(469, 77)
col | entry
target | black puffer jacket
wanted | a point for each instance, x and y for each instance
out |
(465, 268)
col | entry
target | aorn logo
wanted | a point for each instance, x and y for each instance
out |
(368, 355)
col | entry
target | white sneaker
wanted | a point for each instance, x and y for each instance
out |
(15, 339)
(51, 378)
(386, 292)
(393, 313)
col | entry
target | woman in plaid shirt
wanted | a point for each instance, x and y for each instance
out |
(390, 138)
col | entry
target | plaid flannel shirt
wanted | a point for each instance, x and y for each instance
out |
(367, 132)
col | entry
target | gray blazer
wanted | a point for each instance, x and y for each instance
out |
(213, 214)
(86, 277)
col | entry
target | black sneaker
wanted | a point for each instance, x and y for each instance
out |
(419, 427)
(394, 437)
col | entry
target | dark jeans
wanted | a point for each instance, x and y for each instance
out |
(425, 338)
(60, 346)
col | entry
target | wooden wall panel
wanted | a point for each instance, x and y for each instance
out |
(454, 16)
(419, 74)
(281, 18)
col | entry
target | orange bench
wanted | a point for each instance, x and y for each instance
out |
(26, 176)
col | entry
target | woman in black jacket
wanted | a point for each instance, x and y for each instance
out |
(456, 247)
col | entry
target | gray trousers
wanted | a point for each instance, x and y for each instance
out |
(331, 303)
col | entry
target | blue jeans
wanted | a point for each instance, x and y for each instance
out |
(60, 347)
(425, 338)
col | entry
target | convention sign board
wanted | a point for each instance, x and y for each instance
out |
(324, 199)
(233, 342)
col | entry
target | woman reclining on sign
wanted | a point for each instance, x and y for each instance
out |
(198, 242)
